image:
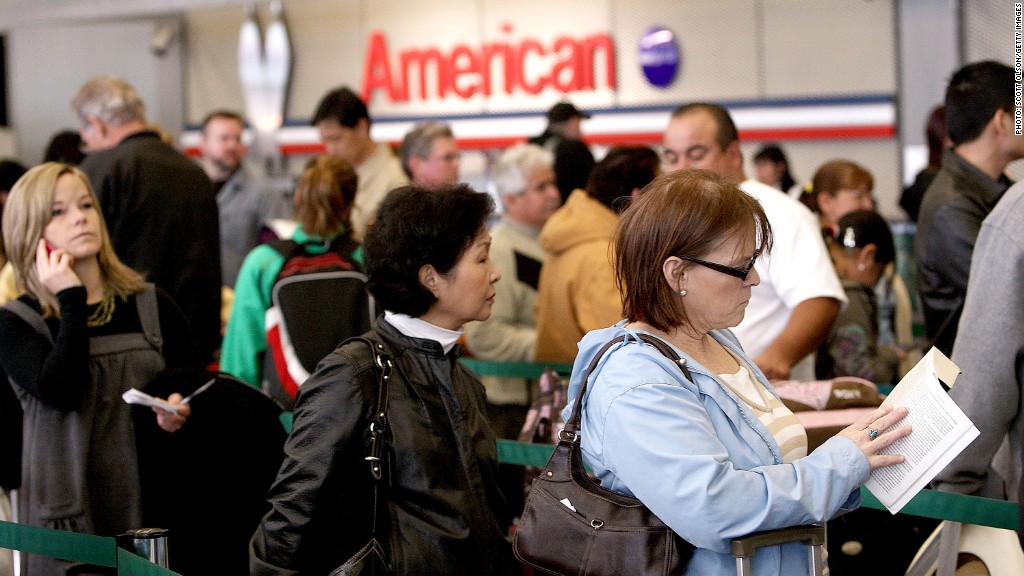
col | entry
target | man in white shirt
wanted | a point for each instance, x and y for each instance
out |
(343, 122)
(791, 311)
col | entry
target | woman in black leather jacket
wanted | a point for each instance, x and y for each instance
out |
(440, 509)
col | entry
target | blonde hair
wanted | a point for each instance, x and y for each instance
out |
(324, 195)
(27, 212)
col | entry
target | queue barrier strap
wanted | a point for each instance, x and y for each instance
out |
(512, 369)
(76, 547)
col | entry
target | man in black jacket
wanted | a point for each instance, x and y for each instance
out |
(158, 205)
(980, 122)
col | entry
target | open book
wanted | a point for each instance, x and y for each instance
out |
(941, 431)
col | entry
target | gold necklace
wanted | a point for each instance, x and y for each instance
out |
(103, 313)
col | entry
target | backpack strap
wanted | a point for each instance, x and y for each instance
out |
(286, 248)
(149, 316)
(342, 244)
(30, 316)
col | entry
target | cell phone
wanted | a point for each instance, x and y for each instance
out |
(49, 247)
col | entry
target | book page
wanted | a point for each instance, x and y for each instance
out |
(940, 432)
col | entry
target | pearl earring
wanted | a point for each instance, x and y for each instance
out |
(683, 292)
(860, 266)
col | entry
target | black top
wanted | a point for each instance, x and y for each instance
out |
(573, 161)
(53, 374)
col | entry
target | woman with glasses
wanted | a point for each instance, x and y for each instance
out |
(710, 449)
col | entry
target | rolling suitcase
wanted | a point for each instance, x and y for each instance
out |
(813, 536)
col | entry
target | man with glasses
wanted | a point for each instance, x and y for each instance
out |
(245, 197)
(792, 310)
(429, 155)
(980, 122)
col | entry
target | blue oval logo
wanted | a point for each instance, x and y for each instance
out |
(659, 56)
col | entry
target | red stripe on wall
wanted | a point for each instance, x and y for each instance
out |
(754, 135)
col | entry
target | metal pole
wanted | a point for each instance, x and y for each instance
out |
(150, 543)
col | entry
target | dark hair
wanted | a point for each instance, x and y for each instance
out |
(416, 227)
(324, 195)
(343, 106)
(222, 113)
(935, 133)
(10, 171)
(682, 213)
(974, 94)
(773, 153)
(622, 170)
(862, 227)
(64, 147)
(726, 133)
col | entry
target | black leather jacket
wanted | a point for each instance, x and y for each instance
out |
(443, 514)
(956, 203)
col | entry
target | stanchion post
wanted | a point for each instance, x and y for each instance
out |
(150, 543)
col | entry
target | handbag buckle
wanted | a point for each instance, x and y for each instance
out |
(567, 436)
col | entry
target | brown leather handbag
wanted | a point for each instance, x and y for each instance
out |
(572, 526)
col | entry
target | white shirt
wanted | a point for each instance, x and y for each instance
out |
(797, 269)
(416, 328)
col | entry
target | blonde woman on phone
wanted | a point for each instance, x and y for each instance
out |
(86, 329)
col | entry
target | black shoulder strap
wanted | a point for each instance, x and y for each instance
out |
(30, 316)
(573, 423)
(344, 245)
(379, 418)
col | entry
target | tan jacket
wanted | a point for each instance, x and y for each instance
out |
(577, 290)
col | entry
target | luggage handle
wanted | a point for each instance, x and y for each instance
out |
(744, 548)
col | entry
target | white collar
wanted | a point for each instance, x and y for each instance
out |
(416, 328)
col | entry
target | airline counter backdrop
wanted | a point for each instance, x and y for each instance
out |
(817, 76)
(821, 76)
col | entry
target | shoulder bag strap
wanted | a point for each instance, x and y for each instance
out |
(378, 419)
(573, 423)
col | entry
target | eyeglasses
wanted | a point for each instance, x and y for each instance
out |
(735, 271)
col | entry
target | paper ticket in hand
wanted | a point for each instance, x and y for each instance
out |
(134, 396)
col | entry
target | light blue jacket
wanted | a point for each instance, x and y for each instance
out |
(700, 459)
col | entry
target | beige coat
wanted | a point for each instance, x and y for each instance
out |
(577, 291)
